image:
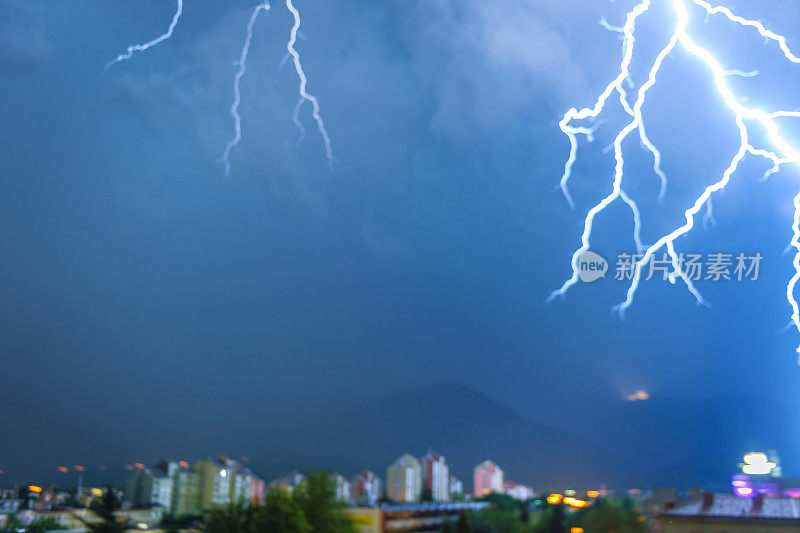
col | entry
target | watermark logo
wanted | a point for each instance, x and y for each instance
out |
(591, 267)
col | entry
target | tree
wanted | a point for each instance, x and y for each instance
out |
(317, 498)
(524, 514)
(462, 526)
(498, 520)
(282, 514)
(610, 516)
(502, 501)
(105, 508)
(551, 520)
(235, 518)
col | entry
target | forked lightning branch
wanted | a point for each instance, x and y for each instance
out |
(750, 123)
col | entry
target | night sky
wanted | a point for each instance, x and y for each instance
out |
(147, 303)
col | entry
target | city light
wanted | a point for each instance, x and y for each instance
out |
(574, 502)
(576, 530)
(554, 499)
(593, 493)
(34, 488)
(63, 469)
(756, 463)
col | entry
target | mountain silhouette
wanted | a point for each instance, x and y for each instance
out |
(451, 419)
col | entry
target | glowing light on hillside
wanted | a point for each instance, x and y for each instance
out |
(638, 396)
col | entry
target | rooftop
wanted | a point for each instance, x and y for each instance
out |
(730, 506)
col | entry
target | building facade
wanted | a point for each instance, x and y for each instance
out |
(456, 487)
(716, 513)
(404, 479)
(517, 491)
(487, 477)
(435, 477)
(343, 490)
(185, 488)
(214, 484)
(288, 482)
(366, 488)
(258, 489)
(149, 487)
(240, 480)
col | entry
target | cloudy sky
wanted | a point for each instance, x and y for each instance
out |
(135, 279)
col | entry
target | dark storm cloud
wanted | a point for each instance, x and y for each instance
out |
(398, 80)
(488, 61)
(139, 281)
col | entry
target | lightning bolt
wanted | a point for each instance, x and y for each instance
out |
(781, 151)
(304, 96)
(292, 52)
(237, 97)
(132, 49)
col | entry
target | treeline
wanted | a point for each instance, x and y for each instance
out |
(507, 515)
(311, 507)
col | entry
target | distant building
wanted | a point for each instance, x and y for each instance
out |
(138, 488)
(456, 487)
(258, 489)
(662, 499)
(161, 493)
(404, 479)
(214, 484)
(149, 487)
(726, 512)
(410, 517)
(343, 491)
(72, 519)
(436, 476)
(288, 482)
(487, 477)
(517, 490)
(76, 519)
(366, 488)
(185, 487)
(241, 480)
(746, 486)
